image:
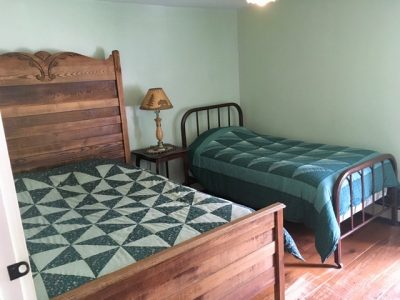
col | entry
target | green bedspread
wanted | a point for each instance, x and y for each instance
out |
(257, 170)
(86, 220)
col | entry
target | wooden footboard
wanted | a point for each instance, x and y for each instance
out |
(240, 260)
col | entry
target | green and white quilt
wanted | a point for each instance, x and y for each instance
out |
(257, 170)
(86, 220)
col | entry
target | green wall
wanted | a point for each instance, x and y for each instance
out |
(191, 52)
(317, 70)
(323, 71)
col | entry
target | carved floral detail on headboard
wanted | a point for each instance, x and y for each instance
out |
(43, 61)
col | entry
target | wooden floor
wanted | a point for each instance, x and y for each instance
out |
(371, 269)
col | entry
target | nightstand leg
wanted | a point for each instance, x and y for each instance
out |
(157, 167)
(137, 160)
(166, 169)
(186, 170)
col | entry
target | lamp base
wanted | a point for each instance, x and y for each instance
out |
(160, 148)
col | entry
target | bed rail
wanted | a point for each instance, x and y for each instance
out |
(218, 107)
(347, 176)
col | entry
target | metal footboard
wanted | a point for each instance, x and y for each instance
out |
(388, 200)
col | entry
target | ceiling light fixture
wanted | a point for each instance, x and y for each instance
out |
(260, 2)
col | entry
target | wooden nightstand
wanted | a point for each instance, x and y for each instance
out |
(164, 157)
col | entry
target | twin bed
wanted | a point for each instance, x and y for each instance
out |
(98, 228)
(325, 187)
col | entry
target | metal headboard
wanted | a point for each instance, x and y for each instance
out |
(219, 107)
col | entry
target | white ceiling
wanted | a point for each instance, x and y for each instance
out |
(195, 3)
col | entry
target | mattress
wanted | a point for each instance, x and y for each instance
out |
(86, 220)
(257, 170)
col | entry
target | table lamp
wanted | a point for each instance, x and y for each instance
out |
(157, 100)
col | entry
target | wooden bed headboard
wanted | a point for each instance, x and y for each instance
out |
(62, 108)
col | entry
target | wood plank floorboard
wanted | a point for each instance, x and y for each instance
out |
(371, 259)
(392, 293)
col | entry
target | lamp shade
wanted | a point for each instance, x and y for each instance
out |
(155, 99)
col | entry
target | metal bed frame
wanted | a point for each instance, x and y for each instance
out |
(356, 219)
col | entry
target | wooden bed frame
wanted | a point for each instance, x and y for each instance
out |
(348, 226)
(65, 108)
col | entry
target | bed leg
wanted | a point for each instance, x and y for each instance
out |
(338, 255)
(394, 197)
